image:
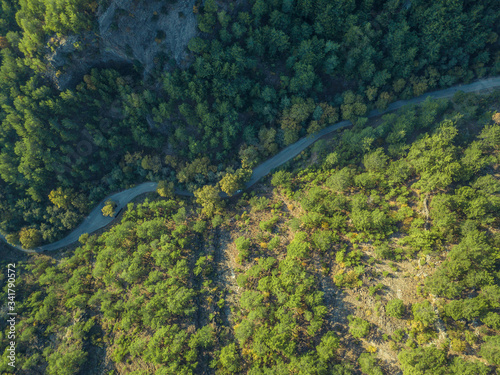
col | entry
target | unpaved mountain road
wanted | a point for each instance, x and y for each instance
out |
(95, 220)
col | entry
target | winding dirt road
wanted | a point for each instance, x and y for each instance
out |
(95, 220)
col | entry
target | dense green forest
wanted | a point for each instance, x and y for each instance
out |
(374, 251)
(261, 74)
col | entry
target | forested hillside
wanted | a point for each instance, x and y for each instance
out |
(261, 74)
(374, 252)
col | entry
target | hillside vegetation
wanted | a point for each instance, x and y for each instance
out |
(375, 251)
(260, 75)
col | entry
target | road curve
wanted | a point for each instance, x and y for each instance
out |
(296, 148)
(95, 220)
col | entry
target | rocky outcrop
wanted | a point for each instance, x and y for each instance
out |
(148, 33)
(72, 57)
(144, 30)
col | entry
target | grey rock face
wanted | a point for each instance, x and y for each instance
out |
(141, 29)
(144, 32)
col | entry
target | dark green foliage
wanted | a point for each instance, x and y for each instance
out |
(229, 359)
(242, 245)
(136, 277)
(431, 361)
(395, 308)
(268, 224)
(492, 320)
(341, 180)
(259, 203)
(376, 161)
(329, 344)
(375, 288)
(383, 251)
(324, 240)
(467, 308)
(67, 360)
(39, 18)
(368, 364)
(260, 78)
(358, 327)
(423, 361)
(434, 159)
(398, 335)
(281, 179)
(459, 366)
(490, 350)
(424, 313)
(298, 248)
(269, 321)
(470, 264)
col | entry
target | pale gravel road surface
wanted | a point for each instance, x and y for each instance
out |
(95, 220)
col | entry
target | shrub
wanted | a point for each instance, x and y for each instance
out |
(242, 245)
(424, 312)
(323, 240)
(369, 364)
(267, 226)
(273, 243)
(341, 180)
(398, 335)
(374, 289)
(395, 308)
(427, 360)
(281, 179)
(329, 343)
(259, 203)
(165, 189)
(492, 320)
(199, 226)
(298, 248)
(358, 327)
(217, 220)
(460, 366)
(490, 350)
(229, 358)
(375, 161)
(365, 181)
(383, 251)
(109, 208)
